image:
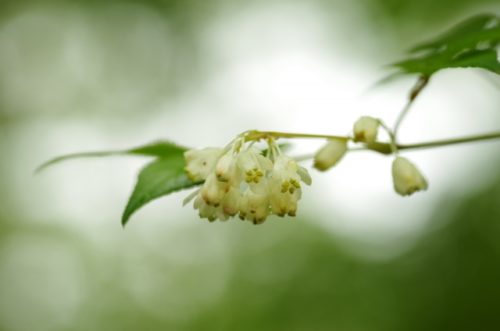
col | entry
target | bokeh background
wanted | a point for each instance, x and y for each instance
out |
(93, 75)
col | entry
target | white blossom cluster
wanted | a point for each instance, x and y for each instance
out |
(241, 180)
(245, 181)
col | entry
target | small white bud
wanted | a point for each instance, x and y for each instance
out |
(366, 129)
(407, 178)
(330, 154)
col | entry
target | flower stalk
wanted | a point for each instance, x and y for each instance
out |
(379, 147)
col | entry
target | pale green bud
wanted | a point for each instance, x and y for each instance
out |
(366, 129)
(407, 178)
(330, 154)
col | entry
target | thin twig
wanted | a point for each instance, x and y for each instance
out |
(414, 93)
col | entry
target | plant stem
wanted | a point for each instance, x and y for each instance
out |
(453, 141)
(392, 138)
(414, 93)
(257, 135)
(386, 148)
(380, 147)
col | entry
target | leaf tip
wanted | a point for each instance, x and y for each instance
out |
(125, 219)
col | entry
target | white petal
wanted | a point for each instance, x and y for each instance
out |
(190, 197)
(304, 175)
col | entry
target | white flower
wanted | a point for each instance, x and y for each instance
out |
(284, 185)
(213, 190)
(209, 212)
(200, 162)
(284, 203)
(231, 202)
(407, 179)
(253, 165)
(330, 154)
(366, 129)
(227, 168)
(254, 206)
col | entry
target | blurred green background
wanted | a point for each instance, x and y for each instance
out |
(84, 75)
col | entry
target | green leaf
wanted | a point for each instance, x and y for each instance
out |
(158, 149)
(484, 59)
(160, 177)
(468, 33)
(470, 44)
(155, 149)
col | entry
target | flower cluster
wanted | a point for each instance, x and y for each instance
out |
(242, 180)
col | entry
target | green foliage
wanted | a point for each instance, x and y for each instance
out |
(472, 43)
(155, 149)
(162, 176)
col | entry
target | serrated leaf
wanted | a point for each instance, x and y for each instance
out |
(470, 44)
(155, 149)
(159, 178)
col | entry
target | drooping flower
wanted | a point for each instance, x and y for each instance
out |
(231, 202)
(406, 177)
(366, 129)
(284, 185)
(213, 190)
(253, 165)
(200, 162)
(226, 168)
(330, 154)
(211, 213)
(254, 206)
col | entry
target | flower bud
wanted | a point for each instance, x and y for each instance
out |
(407, 179)
(330, 154)
(366, 129)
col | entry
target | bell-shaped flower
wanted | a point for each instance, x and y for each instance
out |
(254, 206)
(231, 202)
(226, 168)
(366, 129)
(284, 185)
(200, 162)
(213, 190)
(209, 212)
(406, 177)
(284, 203)
(253, 165)
(330, 154)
